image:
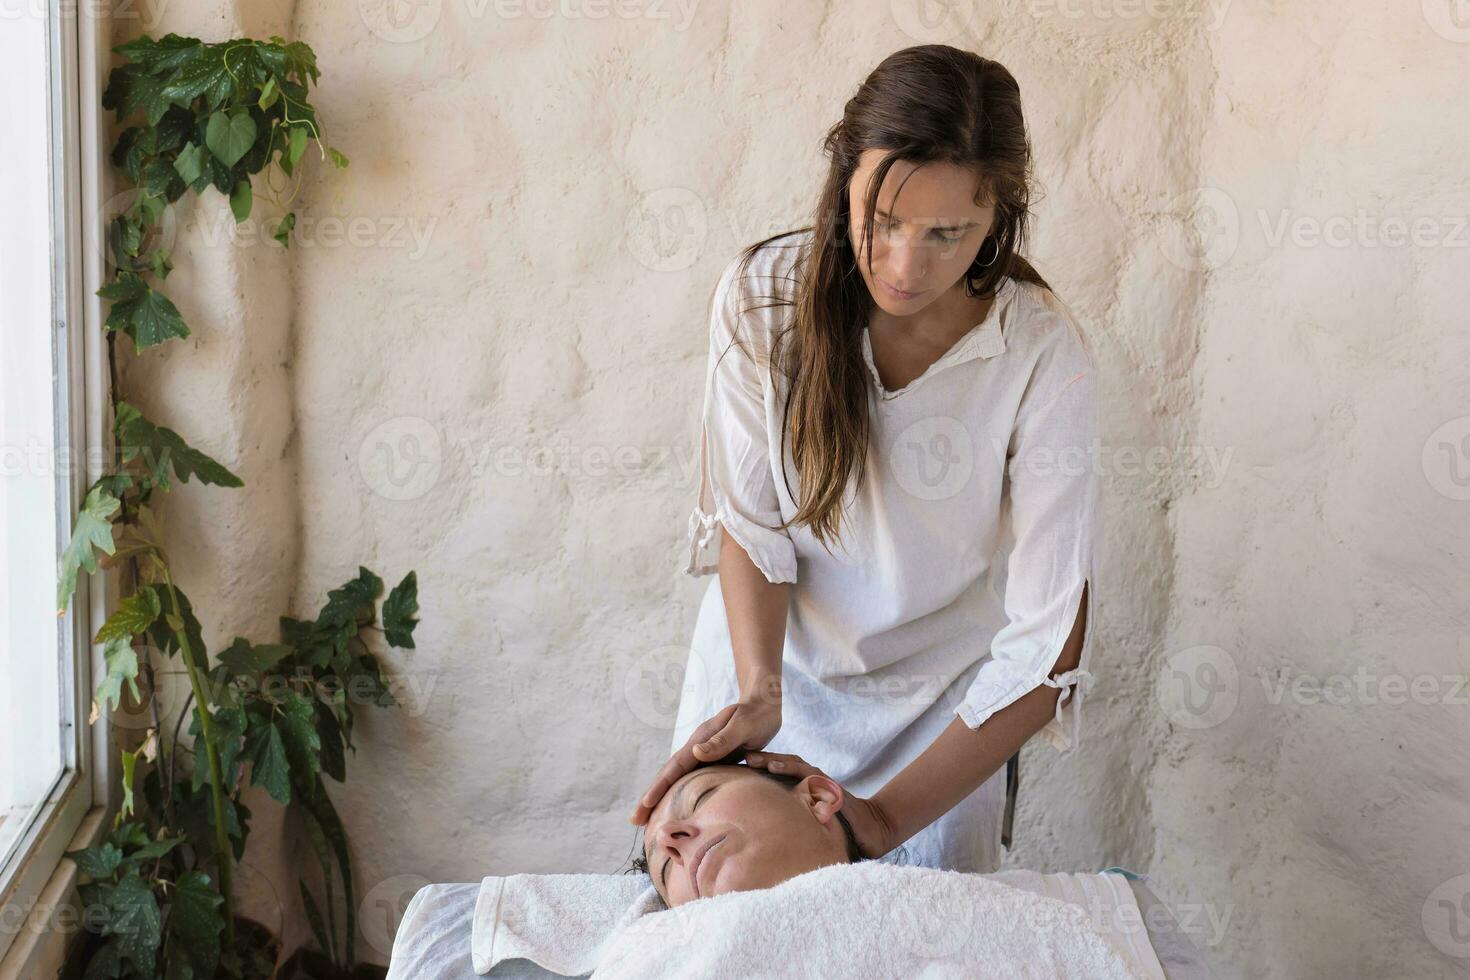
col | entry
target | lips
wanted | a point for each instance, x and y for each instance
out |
(699, 860)
(900, 293)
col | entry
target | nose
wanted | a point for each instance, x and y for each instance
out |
(677, 839)
(906, 263)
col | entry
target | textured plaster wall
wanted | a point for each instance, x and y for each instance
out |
(483, 358)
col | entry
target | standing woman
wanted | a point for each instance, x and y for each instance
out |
(897, 486)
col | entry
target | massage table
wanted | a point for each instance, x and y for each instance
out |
(433, 940)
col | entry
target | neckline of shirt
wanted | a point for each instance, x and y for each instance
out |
(984, 339)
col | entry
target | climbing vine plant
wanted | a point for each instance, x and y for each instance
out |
(234, 116)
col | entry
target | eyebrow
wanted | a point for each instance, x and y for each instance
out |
(678, 798)
(963, 225)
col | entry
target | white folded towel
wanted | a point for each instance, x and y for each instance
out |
(872, 918)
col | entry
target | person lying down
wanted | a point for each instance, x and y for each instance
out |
(762, 876)
(734, 828)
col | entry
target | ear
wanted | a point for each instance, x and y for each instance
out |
(823, 794)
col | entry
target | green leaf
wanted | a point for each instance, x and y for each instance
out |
(244, 658)
(205, 73)
(129, 836)
(125, 288)
(97, 861)
(166, 54)
(297, 724)
(140, 311)
(229, 136)
(314, 919)
(159, 263)
(267, 755)
(130, 89)
(338, 159)
(106, 963)
(246, 68)
(133, 615)
(241, 200)
(229, 726)
(125, 235)
(283, 230)
(132, 916)
(164, 636)
(122, 668)
(151, 207)
(159, 178)
(318, 804)
(196, 918)
(174, 130)
(301, 61)
(399, 612)
(161, 446)
(268, 95)
(333, 759)
(353, 599)
(189, 163)
(155, 849)
(91, 533)
(325, 861)
(297, 145)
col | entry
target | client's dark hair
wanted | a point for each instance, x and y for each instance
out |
(854, 853)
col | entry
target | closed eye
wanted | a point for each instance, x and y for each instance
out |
(663, 874)
(945, 234)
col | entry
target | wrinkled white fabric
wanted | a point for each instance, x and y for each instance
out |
(963, 556)
(560, 922)
(874, 920)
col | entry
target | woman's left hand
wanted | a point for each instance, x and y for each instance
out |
(869, 825)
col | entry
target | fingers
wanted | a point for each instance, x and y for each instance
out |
(681, 762)
(668, 774)
(781, 762)
(715, 738)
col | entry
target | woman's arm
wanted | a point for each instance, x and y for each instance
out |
(957, 762)
(756, 611)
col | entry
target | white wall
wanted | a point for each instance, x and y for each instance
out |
(482, 289)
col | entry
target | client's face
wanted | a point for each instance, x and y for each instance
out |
(732, 828)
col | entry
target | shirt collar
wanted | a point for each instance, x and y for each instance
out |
(986, 339)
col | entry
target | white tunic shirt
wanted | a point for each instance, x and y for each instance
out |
(961, 562)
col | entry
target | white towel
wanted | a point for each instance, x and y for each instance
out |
(1089, 924)
(560, 922)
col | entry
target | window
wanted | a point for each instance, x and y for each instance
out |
(46, 746)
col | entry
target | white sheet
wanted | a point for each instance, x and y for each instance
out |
(570, 924)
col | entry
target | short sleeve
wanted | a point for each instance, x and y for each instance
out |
(1053, 501)
(737, 487)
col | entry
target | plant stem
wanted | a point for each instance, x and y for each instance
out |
(216, 788)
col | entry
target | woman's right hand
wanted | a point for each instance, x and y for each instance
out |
(744, 726)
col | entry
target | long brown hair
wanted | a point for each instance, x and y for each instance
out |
(922, 104)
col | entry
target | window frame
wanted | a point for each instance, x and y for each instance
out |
(36, 881)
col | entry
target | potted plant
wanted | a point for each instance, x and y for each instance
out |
(157, 889)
